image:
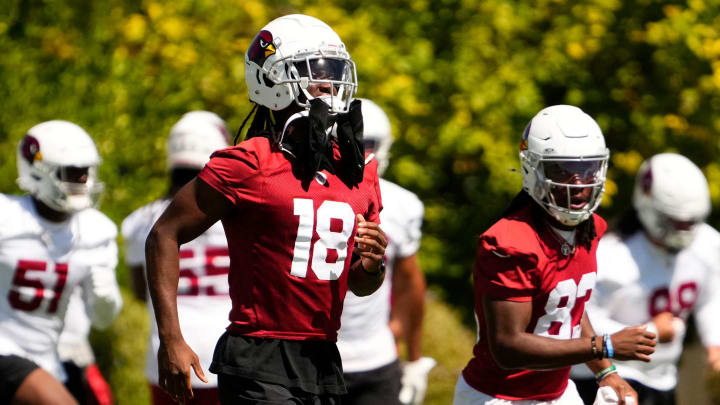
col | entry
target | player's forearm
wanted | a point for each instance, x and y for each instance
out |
(408, 310)
(409, 294)
(364, 281)
(161, 254)
(529, 351)
(414, 328)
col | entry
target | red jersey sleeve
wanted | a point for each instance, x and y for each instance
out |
(231, 170)
(505, 272)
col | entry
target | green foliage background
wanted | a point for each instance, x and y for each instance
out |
(459, 79)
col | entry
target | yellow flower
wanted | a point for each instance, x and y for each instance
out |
(575, 50)
(173, 28)
(135, 28)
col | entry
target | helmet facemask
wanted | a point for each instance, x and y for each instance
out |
(66, 188)
(570, 189)
(330, 79)
(673, 234)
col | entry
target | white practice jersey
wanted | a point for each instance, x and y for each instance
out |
(203, 291)
(365, 341)
(637, 280)
(41, 264)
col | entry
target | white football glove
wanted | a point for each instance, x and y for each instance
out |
(414, 380)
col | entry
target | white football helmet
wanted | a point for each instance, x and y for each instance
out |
(562, 154)
(377, 133)
(194, 138)
(671, 197)
(48, 156)
(293, 53)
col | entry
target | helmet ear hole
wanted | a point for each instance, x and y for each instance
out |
(266, 81)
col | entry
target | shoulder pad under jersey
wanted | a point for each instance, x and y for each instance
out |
(94, 228)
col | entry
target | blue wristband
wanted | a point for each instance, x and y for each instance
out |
(608, 344)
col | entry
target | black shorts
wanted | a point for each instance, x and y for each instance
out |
(311, 366)
(75, 382)
(15, 370)
(587, 388)
(379, 386)
(236, 390)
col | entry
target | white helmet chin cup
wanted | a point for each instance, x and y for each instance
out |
(670, 188)
(293, 54)
(377, 132)
(194, 138)
(564, 135)
(43, 156)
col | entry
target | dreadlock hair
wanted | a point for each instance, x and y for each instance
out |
(586, 231)
(263, 124)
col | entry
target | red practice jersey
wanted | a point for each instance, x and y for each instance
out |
(290, 248)
(515, 262)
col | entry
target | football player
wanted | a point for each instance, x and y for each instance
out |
(536, 268)
(367, 347)
(203, 301)
(299, 208)
(662, 265)
(52, 241)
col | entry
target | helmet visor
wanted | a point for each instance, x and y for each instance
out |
(573, 171)
(318, 69)
(72, 174)
(79, 186)
(370, 145)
